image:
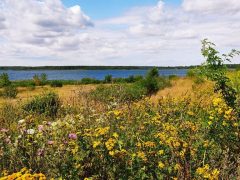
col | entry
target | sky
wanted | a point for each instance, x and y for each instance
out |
(115, 32)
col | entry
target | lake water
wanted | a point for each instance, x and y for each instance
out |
(79, 74)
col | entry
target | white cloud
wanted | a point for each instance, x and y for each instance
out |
(214, 6)
(44, 32)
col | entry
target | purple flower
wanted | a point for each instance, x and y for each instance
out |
(72, 136)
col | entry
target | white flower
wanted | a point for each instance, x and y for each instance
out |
(30, 131)
(21, 121)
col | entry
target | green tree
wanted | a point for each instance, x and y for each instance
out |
(150, 82)
(214, 69)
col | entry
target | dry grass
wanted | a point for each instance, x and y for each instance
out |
(65, 93)
(183, 87)
(180, 87)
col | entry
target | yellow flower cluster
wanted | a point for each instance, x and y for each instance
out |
(110, 144)
(206, 173)
(24, 174)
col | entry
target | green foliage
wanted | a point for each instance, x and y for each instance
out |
(56, 83)
(4, 80)
(9, 92)
(37, 80)
(108, 79)
(43, 78)
(191, 73)
(150, 82)
(215, 70)
(119, 94)
(47, 104)
(23, 83)
(90, 81)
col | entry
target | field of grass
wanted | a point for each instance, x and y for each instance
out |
(185, 131)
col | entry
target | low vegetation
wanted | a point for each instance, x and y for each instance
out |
(115, 131)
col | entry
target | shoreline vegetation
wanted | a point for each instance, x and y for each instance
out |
(25, 68)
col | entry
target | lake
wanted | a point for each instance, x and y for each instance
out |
(79, 74)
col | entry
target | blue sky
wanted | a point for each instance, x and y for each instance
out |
(99, 9)
(115, 32)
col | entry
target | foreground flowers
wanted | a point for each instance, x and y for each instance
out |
(172, 139)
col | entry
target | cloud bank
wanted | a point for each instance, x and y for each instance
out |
(44, 32)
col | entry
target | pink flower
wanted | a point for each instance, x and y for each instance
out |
(40, 152)
(40, 128)
(72, 136)
(50, 142)
(4, 130)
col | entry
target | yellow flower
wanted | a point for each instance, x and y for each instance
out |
(110, 144)
(142, 155)
(150, 144)
(96, 144)
(209, 123)
(177, 167)
(161, 152)
(160, 165)
(115, 135)
(111, 153)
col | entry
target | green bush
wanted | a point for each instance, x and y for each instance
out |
(108, 79)
(9, 92)
(191, 73)
(90, 81)
(119, 94)
(4, 80)
(150, 82)
(47, 104)
(56, 83)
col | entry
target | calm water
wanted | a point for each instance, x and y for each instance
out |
(79, 74)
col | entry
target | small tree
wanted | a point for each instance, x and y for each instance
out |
(215, 70)
(150, 82)
(4, 80)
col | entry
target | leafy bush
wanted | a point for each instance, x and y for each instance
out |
(43, 79)
(119, 94)
(215, 70)
(191, 73)
(9, 92)
(4, 80)
(47, 104)
(56, 83)
(151, 81)
(108, 79)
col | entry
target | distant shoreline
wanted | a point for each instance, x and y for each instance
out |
(24, 68)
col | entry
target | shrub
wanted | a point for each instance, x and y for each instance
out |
(150, 82)
(108, 79)
(191, 73)
(10, 92)
(47, 104)
(4, 80)
(37, 80)
(43, 78)
(90, 81)
(56, 83)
